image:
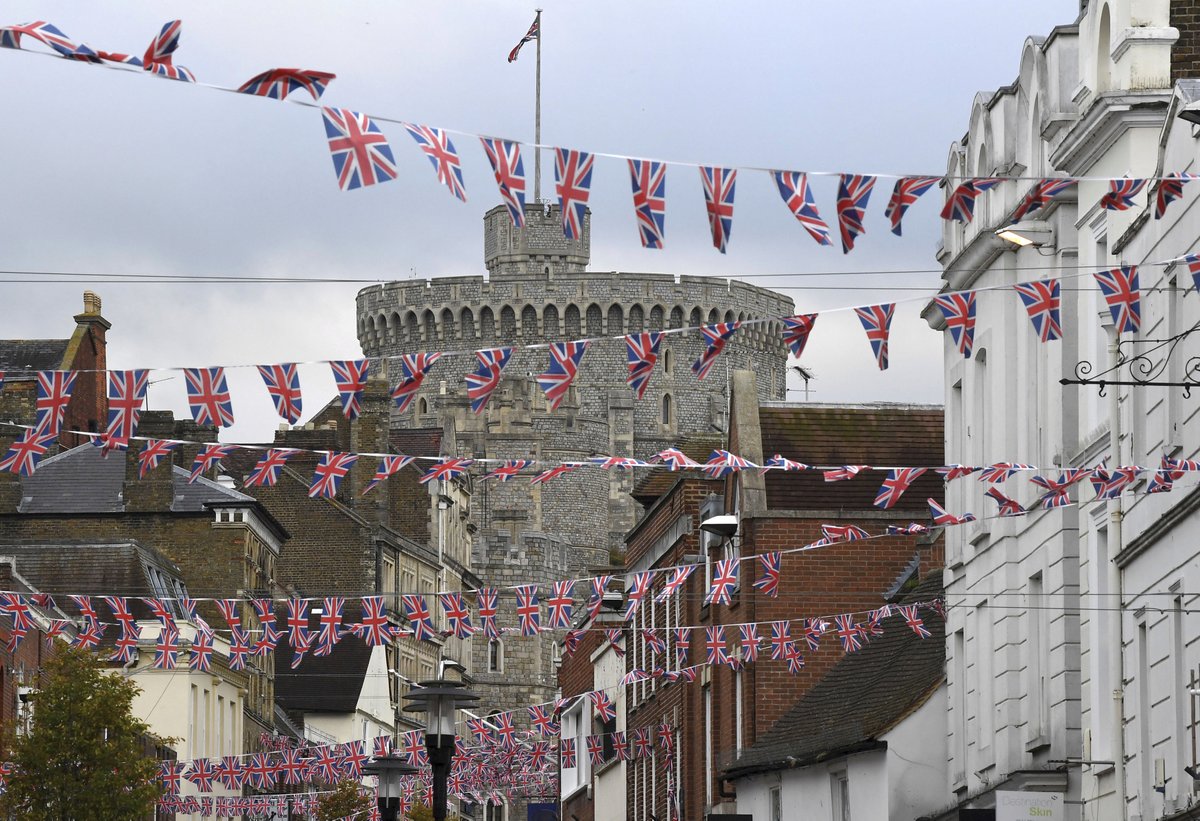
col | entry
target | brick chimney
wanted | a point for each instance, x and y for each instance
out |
(369, 434)
(87, 352)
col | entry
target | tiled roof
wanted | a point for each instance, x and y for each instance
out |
(82, 480)
(884, 435)
(698, 447)
(324, 684)
(17, 355)
(864, 695)
(416, 441)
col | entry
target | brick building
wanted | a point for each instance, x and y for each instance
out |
(725, 710)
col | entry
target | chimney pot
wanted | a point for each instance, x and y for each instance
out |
(91, 303)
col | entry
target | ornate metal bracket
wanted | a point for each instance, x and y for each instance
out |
(1141, 369)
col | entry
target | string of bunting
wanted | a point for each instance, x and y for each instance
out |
(363, 157)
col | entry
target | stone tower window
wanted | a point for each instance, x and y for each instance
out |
(668, 360)
(529, 323)
(487, 323)
(595, 320)
(468, 324)
(666, 410)
(572, 321)
(447, 324)
(637, 319)
(676, 317)
(508, 322)
(496, 656)
(616, 320)
(550, 322)
(422, 406)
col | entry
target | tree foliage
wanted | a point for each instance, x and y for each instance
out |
(84, 758)
(422, 812)
(346, 801)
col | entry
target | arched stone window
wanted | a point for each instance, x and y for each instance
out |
(529, 323)
(550, 322)
(656, 318)
(573, 328)
(467, 323)
(422, 406)
(616, 320)
(508, 322)
(637, 319)
(676, 317)
(668, 360)
(412, 334)
(697, 318)
(487, 323)
(430, 327)
(595, 320)
(713, 317)
(447, 324)
(666, 410)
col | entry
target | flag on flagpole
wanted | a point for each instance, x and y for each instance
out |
(533, 34)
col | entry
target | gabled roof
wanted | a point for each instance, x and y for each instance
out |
(83, 480)
(18, 355)
(860, 699)
(323, 684)
(881, 435)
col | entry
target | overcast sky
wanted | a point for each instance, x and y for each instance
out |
(109, 173)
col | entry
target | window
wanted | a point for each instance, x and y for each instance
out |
(840, 789)
(668, 360)
(494, 812)
(959, 706)
(708, 745)
(666, 410)
(572, 728)
(422, 407)
(986, 686)
(738, 709)
(496, 656)
(775, 804)
(1039, 672)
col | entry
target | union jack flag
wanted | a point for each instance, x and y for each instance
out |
(958, 309)
(716, 336)
(445, 470)
(564, 367)
(486, 377)
(1120, 289)
(528, 609)
(437, 146)
(1110, 486)
(854, 191)
(486, 597)
(942, 518)
(543, 723)
(46, 33)
(259, 772)
(350, 376)
(595, 748)
(722, 463)
(618, 462)
(561, 603)
(208, 396)
(283, 384)
(330, 624)
(53, 395)
(294, 768)
(907, 191)
(654, 642)
(715, 650)
(1056, 491)
(897, 481)
(961, 204)
(795, 663)
(724, 580)
(877, 322)
(1000, 471)
(534, 33)
(89, 637)
(163, 46)
(169, 775)
(202, 774)
(230, 773)
(1193, 265)
(166, 649)
(615, 637)
(26, 451)
(126, 394)
(603, 704)
(266, 469)
(913, 620)
(683, 642)
(389, 466)
(361, 154)
(509, 170)
(719, 184)
(844, 473)
(642, 350)
(171, 72)
(330, 471)
(848, 632)
(566, 752)
(508, 470)
(649, 200)
(152, 453)
(417, 613)
(1041, 193)
(678, 576)
(354, 755)
(87, 612)
(1008, 507)
(573, 176)
(414, 367)
(209, 457)
(278, 83)
(297, 624)
(952, 472)
(553, 473)
(239, 648)
(202, 650)
(798, 197)
(1042, 301)
(1121, 193)
(796, 330)
(844, 533)
(620, 746)
(639, 585)
(1169, 190)
(643, 747)
(781, 641)
(771, 563)
(458, 616)
(779, 462)
(374, 624)
(505, 731)
(675, 459)
(748, 634)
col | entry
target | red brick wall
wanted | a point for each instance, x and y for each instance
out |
(1185, 54)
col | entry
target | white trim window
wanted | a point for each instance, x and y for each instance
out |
(575, 726)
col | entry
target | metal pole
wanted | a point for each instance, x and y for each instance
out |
(537, 117)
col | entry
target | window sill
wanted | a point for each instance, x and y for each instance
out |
(1037, 743)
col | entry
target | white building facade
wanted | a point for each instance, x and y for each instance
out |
(1067, 627)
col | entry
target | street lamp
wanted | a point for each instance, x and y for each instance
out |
(439, 700)
(391, 771)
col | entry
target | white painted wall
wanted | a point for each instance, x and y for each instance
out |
(608, 798)
(372, 715)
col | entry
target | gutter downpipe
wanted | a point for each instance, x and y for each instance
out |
(1116, 515)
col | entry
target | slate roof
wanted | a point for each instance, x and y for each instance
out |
(884, 435)
(863, 696)
(17, 355)
(323, 684)
(697, 446)
(82, 480)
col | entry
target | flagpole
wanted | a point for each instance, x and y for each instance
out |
(537, 117)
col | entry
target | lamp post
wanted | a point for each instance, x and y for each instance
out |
(439, 700)
(391, 771)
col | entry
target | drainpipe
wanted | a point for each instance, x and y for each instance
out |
(1116, 515)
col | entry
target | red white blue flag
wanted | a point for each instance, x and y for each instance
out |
(486, 600)
(943, 518)
(350, 376)
(715, 649)
(283, 385)
(561, 603)
(208, 458)
(724, 580)
(152, 453)
(642, 352)
(373, 626)
(414, 366)
(854, 192)
(796, 330)
(126, 395)
(573, 182)
(1120, 289)
(508, 470)
(913, 620)
(330, 471)
(877, 322)
(564, 367)
(897, 481)
(509, 170)
(639, 585)
(53, 396)
(798, 197)
(528, 609)
(678, 576)
(848, 632)
(266, 470)
(361, 154)
(1042, 192)
(961, 204)
(389, 466)
(445, 470)
(1008, 507)
(458, 615)
(534, 33)
(843, 533)
(906, 192)
(675, 459)
(649, 180)
(416, 610)
(1042, 302)
(553, 473)
(46, 33)
(958, 309)
(278, 83)
(440, 150)
(768, 582)
(1169, 190)
(716, 336)
(1121, 193)
(208, 396)
(25, 453)
(486, 376)
(719, 185)
(722, 463)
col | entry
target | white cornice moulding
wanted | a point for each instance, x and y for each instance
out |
(1162, 36)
